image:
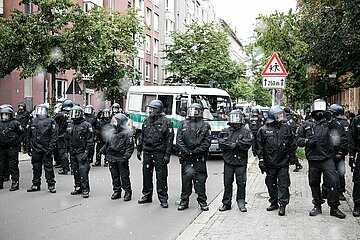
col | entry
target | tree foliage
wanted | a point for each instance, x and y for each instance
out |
(331, 28)
(280, 33)
(201, 56)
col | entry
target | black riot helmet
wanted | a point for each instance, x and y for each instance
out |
(115, 108)
(155, 108)
(119, 120)
(318, 109)
(42, 110)
(287, 110)
(6, 114)
(76, 113)
(337, 109)
(21, 106)
(236, 118)
(276, 114)
(195, 111)
(88, 110)
(105, 114)
(67, 105)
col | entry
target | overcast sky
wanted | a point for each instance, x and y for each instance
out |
(241, 14)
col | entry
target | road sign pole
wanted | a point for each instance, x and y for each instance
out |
(273, 97)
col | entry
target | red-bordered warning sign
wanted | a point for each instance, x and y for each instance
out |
(274, 67)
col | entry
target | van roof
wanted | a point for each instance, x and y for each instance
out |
(178, 90)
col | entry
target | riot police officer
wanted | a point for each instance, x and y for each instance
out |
(290, 120)
(235, 142)
(118, 150)
(91, 118)
(315, 136)
(115, 108)
(62, 119)
(24, 117)
(103, 129)
(354, 162)
(277, 147)
(341, 149)
(43, 135)
(193, 142)
(11, 136)
(156, 144)
(81, 140)
(255, 122)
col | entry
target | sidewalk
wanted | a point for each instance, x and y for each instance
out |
(257, 223)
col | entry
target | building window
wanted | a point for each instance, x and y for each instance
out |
(156, 22)
(156, 73)
(167, 100)
(148, 16)
(138, 65)
(168, 27)
(157, 2)
(156, 47)
(28, 8)
(146, 100)
(61, 86)
(148, 44)
(1, 7)
(147, 71)
(169, 5)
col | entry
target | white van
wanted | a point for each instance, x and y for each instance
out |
(176, 99)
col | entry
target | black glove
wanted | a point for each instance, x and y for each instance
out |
(352, 163)
(166, 160)
(311, 142)
(138, 155)
(262, 165)
(85, 157)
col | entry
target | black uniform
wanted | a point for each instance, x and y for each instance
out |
(193, 141)
(255, 123)
(43, 137)
(81, 140)
(277, 146)
(11, 135)
(61, 151)
(118, 150)
(91, 118)
(354, 149)
(24, 117)
(315, 136)
(102, 130)
(291, 122)
(156, 142)
(235, 143)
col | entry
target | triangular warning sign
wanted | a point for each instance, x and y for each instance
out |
(274, 67)
(74, 88)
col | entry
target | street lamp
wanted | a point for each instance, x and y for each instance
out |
(326, 78)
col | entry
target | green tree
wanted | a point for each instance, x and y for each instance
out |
(280, 33)
(201, 56)
(331, 28)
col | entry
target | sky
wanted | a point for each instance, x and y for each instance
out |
(241, 14)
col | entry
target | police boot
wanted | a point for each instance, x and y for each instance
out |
(144, 199)
(14, 186)
(106, 164)
(76, 191)
(315, 211)
(204, 206)
(224, 207)
(116, 195)
(85, 194)
(183, 205)
(63, 171)
(342, 197)
(1, 185)
(33, 188)
(127, 196)
(241, 205)
(272, 207)
(282, 210)
(52, 188)
(334, 211)
(356, 212)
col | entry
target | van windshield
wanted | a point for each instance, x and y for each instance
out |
(216, 108)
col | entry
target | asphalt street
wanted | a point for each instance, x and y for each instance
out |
(42, 215)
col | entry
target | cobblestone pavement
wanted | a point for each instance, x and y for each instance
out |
(257, 223)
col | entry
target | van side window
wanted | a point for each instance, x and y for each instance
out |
(146, 100)
(167, 100)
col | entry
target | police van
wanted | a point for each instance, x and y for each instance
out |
(176, 100)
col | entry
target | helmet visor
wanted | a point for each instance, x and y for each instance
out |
(279, 117)
(152, 111)
(114, 122)
(41, 111)
(236, 118)
(5, 117)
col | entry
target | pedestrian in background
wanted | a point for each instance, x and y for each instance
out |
(193, 142)
(315, 136)
(235, 141)
(155, 143)
(24, 117)
(43, 135)
(118, 150)
(276, 148)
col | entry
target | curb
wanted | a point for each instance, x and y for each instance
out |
(203, 218)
